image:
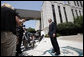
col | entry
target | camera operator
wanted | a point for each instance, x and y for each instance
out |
(19, 33)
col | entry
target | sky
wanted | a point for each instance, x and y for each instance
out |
(28, 5)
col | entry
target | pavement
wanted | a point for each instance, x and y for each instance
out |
(69, 46)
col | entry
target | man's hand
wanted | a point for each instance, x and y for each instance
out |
(54, 34)
(23, 20)
(19, 21)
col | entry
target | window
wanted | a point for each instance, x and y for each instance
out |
(80, 12)
(76, 13)
(72, 13)
(74, 3)
(68, 2)
(60, 14)
(81, 4)
(65, 14)
(77, 3)
(54, 15)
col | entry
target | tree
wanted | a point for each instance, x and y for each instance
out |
(66, 28)
(79, 23)
(32, 30)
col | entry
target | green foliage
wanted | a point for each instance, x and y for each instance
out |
(57, 35)
(66, 28)
(31, 29)
(79, 23)
(70, 28)
(46, 35)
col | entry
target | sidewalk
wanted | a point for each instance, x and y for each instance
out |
(69, 46)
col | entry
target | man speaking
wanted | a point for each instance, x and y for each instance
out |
(52, 35)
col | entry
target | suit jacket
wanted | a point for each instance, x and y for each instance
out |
(52, 29)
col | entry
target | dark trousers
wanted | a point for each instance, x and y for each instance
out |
(55, 44)
(18, 47)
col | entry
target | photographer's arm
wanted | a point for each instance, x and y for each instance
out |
(19, 22)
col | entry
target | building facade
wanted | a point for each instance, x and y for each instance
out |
(60, 12)
(37, 27)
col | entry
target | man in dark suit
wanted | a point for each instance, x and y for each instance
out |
(52, 34)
